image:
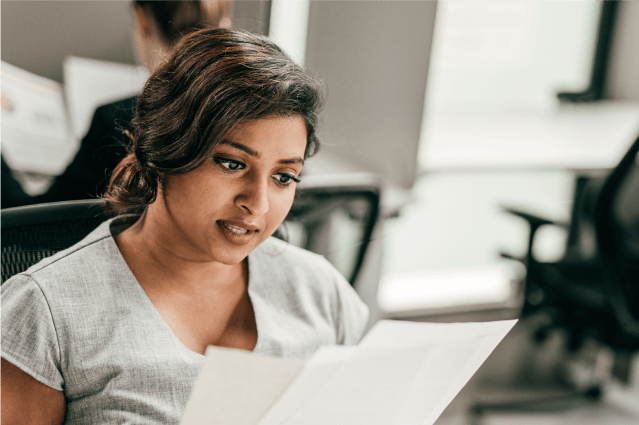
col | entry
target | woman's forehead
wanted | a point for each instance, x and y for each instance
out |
(271, 134)
(247, 125)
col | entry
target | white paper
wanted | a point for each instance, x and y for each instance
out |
(319, 369)
(452, 354)
(35, 130)
(44, 121)
(236, 387)
(402, 373)
(90, 83)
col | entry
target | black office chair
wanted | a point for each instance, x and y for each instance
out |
(593, 291)
(34, 232)
(332, 215)
(617, 230)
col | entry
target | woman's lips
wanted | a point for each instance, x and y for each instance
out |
(237, 233)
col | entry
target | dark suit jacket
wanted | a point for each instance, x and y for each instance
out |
(87, 176)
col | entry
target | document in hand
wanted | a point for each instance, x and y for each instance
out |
(401, 373)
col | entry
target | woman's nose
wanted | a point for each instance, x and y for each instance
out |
(254, 197)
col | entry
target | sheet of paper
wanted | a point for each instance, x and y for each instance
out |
(402, 373)
(236, 387)
(319, 369)
(452, 355)
(89, 83)
(35, 131)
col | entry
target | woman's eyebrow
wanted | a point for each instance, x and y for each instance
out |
(241, 147)
(297, 160)
(236, 145)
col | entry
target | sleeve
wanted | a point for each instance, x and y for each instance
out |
(350, 312)
(29, 338)
(101, 149)
(85, 174)
(12, 193)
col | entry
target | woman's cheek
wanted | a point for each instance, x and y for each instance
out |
(282, 205)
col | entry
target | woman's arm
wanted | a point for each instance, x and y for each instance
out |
(28, 401)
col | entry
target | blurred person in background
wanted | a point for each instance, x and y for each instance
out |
(158, 26)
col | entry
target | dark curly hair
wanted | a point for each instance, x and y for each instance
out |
(214, 80)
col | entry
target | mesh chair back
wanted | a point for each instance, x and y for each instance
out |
(34, 232)
(617, 227)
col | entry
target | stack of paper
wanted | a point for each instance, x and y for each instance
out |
(401, 373)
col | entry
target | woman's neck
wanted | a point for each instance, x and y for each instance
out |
(156, 252)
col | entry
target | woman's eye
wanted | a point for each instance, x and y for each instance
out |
(284, 179)
(230, 164)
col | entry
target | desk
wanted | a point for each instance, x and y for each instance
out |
(574, 137)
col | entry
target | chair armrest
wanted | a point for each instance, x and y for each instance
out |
(534, 223)
(533, 220)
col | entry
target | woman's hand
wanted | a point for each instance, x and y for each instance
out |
(28, 401)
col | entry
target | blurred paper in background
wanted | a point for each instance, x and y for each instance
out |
(44, 121)
(35, 130)
(89, 83)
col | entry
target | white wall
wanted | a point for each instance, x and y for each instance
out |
(252, 15)
(38, 35)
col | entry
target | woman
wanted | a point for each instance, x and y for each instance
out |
(113, 330)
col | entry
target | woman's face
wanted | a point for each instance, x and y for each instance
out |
(226, 207)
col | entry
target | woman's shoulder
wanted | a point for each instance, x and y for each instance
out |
(297, 270)
(76, 251)
(73, 261)
(307, 284)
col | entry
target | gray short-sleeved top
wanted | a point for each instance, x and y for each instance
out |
(79, 322)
